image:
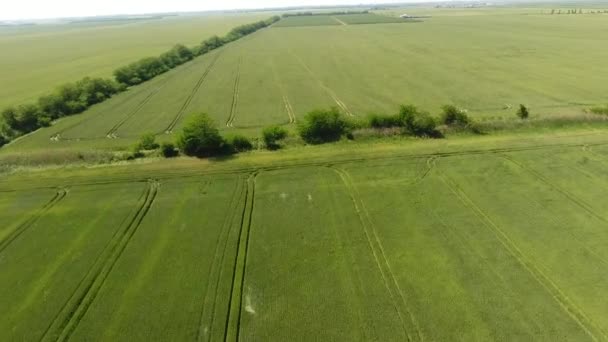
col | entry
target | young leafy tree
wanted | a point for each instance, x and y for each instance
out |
(200, 137)
(523, 112)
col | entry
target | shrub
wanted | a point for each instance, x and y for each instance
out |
(321, 126)
(600, 110)
(200, 137)
(418, 123)
(454, 116)
(383, 121)
(272, 135)
(241, 143)
(147, 142)
(168, 150)
(523, 112)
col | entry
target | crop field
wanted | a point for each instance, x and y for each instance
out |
(487, 62)
(36, 59)
(504, 241)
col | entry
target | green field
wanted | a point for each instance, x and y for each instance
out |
(485, 61)
(489, 235)
(36, 59)
(476, 240)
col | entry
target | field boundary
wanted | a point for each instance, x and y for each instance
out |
(329, 91)
(235, 95)
(188, 100)
(233, 321)
(379, 255)
(68, 318)
(575, 313)
(142, 177)
(216, 270)
(23, 227)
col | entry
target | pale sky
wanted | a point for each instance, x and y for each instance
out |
(39, 9)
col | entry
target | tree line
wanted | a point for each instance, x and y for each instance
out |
(76, 97)
(308, 14)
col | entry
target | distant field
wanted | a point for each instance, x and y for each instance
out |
(403, 245)
(36, 59)
(487, 62)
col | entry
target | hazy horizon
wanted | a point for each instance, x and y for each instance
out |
(38, 9)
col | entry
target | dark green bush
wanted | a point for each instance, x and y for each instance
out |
(523, 112)
(454, 116)
(200, 137)
(321, 126)
(272, 135)
(168, 150)
(241, 143)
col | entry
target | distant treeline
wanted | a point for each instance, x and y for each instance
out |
(305, 14)
(75, 98)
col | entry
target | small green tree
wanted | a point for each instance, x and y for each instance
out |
(272, 135)
(418, 123)
(321, 126)
(200, 137)
(523, 112)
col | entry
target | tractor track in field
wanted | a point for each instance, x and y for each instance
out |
(76, 307)
(289, 165)
(23, 227)
(288, 107)
(572, 198)
(235, 95)
(190, 97)
(111, 134)
(327, 89)
(575, 313)
(388, 276)
(216, 269)
(233, 321)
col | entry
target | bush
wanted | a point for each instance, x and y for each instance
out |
(523, 112)
(272, 135)
(168, 150)
(241, 143)
(147, 142)
(599, 110)
(383, 121)
(454, 116)
(200, 137)
(418, 123)
(321, 126)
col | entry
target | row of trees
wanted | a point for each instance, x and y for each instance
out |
(69, 99)
(575, 11)
(74, 98)
(147, 68)
(308, 14)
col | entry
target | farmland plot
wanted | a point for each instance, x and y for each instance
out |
(173, 280)
(44, 267)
